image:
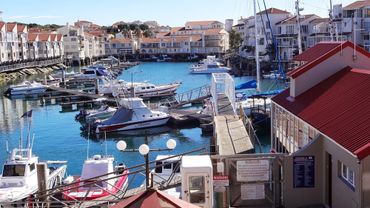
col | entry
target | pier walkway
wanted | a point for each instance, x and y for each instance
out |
(18, 66)
(231, 136)
(196, 95)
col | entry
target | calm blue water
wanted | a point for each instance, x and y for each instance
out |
(58, 135)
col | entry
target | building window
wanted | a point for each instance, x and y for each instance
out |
(347, 175)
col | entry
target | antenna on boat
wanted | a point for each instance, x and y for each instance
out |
(88, 141)
(258, 70)
(7, 145)
(105, 140)
(33, 139)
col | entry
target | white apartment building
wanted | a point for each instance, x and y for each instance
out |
(121, 46)
(287, 35)
(44, 45)
(83, 42)
(264, 32)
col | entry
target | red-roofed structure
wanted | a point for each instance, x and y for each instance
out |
(153, 199)
(324, 116)
(338, 108)
(10, 27)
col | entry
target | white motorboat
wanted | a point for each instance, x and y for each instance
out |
(94, 71)
(101, 113)
(170, 168)
(208, 66)
(26, 88)
(141, 89)
(133, 114)
(255, 104)
(95, 181)
(19, 178)
(273, 75)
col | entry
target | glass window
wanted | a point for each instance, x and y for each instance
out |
(158, 169)
(196, 189)
(347, 174)
(32, 167)
(167, 165)
(14, 170)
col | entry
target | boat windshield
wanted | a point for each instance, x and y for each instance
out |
(14, 170)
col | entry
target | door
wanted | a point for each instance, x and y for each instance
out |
(329, 179)
(198, 190)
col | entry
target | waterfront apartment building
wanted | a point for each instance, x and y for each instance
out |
(17, 43)
(321, 123)
(197, 37)
(121, 46)
(83, 42)
(264, 32)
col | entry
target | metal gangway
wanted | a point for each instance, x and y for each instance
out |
(223, 94)
(192, 96)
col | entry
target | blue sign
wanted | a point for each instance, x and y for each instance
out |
(304, 171)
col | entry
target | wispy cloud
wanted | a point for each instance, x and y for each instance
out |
(18, 17)
(35, 17)
(46, 17)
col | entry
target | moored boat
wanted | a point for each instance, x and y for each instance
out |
(26, 88)
(133, 114)
(99, 179)
(208, 66)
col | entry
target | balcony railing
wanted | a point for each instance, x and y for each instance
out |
(40, 63)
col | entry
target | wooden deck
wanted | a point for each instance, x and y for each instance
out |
(231, 136)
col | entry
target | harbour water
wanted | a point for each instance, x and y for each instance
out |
(58, 135)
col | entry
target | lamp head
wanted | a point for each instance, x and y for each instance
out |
(171, 144)
(144, 149)
(121, 145)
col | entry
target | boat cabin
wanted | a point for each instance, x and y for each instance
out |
(97, 166)
(19, 169)
(170, 165)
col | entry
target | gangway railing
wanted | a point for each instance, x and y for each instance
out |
(191, 96)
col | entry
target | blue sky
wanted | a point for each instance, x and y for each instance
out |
(165, 12)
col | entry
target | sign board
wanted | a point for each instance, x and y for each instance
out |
(220, 180)
(304, 171)
(252, 170)
(252, 191)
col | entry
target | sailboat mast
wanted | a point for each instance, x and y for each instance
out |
(256, 48)
(299, 26)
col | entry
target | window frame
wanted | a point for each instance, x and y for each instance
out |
(347, 175)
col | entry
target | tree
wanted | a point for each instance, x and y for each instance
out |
(133, 27)
(144, 27)
(234, 40)
(147, 33)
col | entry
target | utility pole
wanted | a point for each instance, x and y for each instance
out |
(299, 26)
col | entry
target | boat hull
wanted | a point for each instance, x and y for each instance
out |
(26, 91)
(210, 71)
(133, 125)
(84, 193)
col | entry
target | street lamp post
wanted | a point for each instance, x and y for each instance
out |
(144, 150)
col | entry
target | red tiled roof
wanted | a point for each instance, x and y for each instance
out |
(59, 37)
(175, 29)
(338, 107)
(44, 36)
(320, 57)
(357, 4)
(273, 11)
(153, 199)
(32, 36)
(120, 40)
(316, 51)
(150, 40)
(200, 23)
(53, 37)
(213, 31)
(20, 27)
(2, 24)
(10, 26)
